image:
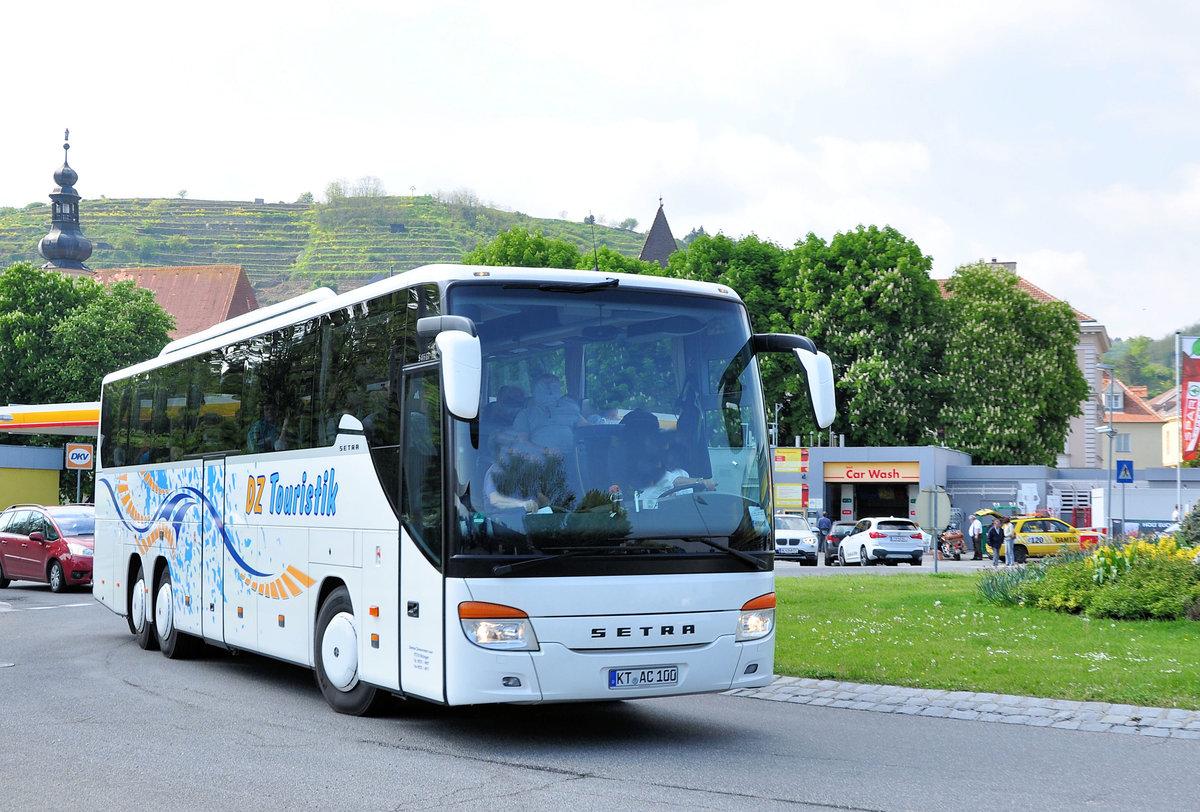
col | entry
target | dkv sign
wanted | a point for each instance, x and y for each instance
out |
(79, 457)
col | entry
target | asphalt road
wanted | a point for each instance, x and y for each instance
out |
(90, 721)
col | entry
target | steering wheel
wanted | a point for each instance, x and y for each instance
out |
(691, 486)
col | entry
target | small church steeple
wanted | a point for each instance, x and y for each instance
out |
(65, 248)
(660, 242)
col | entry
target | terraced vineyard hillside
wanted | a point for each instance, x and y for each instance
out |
(287, 248)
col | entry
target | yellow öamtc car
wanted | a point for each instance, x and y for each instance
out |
(1037, 536)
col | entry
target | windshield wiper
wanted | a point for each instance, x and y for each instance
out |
(757, 562)
(565, 287)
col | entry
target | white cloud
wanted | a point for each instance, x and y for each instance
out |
(1130, 208)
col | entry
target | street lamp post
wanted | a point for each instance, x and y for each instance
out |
(1110, 431)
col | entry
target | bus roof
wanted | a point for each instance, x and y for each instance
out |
(322, 300)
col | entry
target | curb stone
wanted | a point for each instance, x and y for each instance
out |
(1098, 717)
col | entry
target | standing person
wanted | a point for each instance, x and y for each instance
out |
(995, 538)
(823, 526)
(1175, 514)
(1010, 536)
(975, 531)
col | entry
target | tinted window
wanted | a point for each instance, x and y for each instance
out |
(277, 391)
(897, 526)
(19, 522)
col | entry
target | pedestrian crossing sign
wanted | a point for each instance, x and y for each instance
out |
(1124, 471)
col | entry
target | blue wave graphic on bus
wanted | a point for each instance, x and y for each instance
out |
(170, 513)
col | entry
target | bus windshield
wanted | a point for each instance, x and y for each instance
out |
(621, 430)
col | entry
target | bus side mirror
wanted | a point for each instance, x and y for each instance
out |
(461, 372)
(462, 361)
(819, 371)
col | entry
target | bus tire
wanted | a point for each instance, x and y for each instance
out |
(174, 644)
(139, 624)
(335, 651)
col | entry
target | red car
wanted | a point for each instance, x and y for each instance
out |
(52, 544)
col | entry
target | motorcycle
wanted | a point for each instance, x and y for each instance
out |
(950, 543)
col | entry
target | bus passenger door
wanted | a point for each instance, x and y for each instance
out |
(422, 655)
(212, 549)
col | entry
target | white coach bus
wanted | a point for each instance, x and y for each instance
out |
(462, 484)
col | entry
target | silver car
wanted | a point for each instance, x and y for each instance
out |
(795, 538)
(888, 539)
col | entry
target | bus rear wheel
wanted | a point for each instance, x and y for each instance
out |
(335, 649)
(174, 644)
(137, 616)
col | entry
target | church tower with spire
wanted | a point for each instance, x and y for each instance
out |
(660, 242)
(65, 248)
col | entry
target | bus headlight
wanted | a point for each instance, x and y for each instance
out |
(494, 626)
(757, 618)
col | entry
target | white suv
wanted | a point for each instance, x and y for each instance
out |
(795, 538)
(888, 539)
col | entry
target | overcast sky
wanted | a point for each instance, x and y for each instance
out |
(1059, 135)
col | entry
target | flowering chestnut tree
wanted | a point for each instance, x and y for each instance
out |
(1012, 379)
(866, 298)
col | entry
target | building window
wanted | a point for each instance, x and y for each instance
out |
(1123, 443)
(1114, 402)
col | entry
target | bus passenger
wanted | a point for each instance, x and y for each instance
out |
(548, 423)
(263, 433)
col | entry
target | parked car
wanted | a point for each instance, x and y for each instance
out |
(837, 532)
(1040, 536)
(48, 544)
(795, 538)
(888, 539)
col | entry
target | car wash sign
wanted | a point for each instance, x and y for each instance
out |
(872, 472)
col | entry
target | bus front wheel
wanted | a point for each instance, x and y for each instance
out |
(336, 651)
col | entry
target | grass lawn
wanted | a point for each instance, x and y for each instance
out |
(933, 631)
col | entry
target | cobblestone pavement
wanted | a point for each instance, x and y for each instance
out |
(1101, 717)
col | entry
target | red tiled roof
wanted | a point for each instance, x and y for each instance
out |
(1030, 288)
(1166, 404)
(1136, 409)
(197, 296)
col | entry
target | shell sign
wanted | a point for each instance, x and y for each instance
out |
(80, 457)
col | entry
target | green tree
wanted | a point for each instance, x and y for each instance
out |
(1012, 379)
(60, 335)
(335, 191)
(866, 299)
(753, 268)
(521, 248)
(1189, 528)
(1137, 364)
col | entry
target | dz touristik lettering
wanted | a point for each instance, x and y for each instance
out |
(315, 497)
